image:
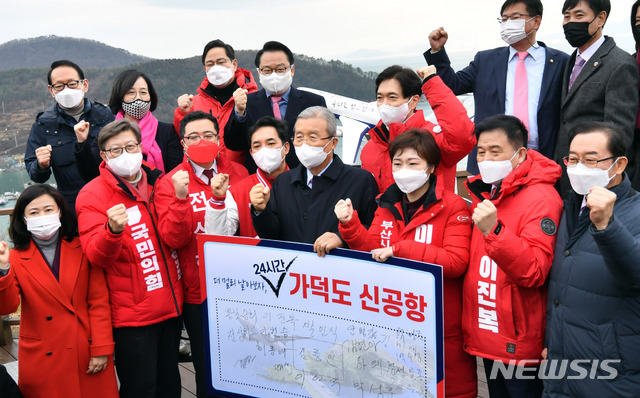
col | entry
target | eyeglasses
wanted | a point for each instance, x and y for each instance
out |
(72, 84)
(512, 17)
(208, 136)
(280, 70)
(573, 160)
(300, 139)
(115, 152)
(219, 61)
(132, 94)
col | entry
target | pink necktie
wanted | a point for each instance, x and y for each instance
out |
(576, 71)
(276, 108)
(521, 91)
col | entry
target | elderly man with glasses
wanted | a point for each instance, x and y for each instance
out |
(53, 141)
(300, 202)
(593, 321)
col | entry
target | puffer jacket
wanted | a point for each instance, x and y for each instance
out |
(143, 274)
(439, 233)
(505, 292)
(593, 307)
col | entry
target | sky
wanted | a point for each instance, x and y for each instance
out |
(370, 34)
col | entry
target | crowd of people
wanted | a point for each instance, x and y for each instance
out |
(542, 265)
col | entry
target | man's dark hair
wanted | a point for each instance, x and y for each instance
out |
(513, 127)
(597, 6)
(272, 46)
(20, 236)
(116, 127)
(268, 121)
(218, 43)
(617, 142)
(64, 62)
(534, 7)
(422, 141)
(123, 84)
(408, 79)
(197, 115)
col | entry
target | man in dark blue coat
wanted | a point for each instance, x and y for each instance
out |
(593, 306)
(491, 76)
(52, 140)
(300, 204)
(276, 99)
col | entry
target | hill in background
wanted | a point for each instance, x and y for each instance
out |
(24, 93)
(41, 51)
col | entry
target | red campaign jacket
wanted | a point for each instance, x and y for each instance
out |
(143, 274)
(438, 233)
(179, 220)
(203, 102)
(505, 293)
(454, 135)
(62, 324)
(240, 194)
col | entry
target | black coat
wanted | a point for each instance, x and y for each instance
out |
(259, 105)
(53, 128)
(297, 213)
(593, 306)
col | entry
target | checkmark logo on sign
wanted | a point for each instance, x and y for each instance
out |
(276, 289)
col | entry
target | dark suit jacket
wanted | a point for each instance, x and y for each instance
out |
(605, 90)
(296, 213)
(486, 77)
(259, 105)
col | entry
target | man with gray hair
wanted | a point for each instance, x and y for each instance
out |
(298, 206)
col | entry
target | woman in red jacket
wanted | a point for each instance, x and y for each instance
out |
(419, 220)
(66, 342)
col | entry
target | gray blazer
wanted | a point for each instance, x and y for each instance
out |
(605, 90)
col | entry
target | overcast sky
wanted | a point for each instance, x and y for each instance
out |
(371, 34)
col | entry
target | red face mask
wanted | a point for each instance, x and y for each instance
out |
(202, 152)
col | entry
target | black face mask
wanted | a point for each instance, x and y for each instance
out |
(636, 35)
(577, 33)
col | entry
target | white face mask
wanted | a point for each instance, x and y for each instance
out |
(495, 170)
(276, 84)
(43, 227)
(311, 156)
(219, 75)
(268, 159)
(127, 164)
(410, 180)
(583, 178)
(513, 30)
(69, 98)
(393, 114)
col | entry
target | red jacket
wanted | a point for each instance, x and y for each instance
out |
(179, 220)
(240, 194)
(504, 288)
(62, 324)
(143, 274)
(438, 233)
(454, 135)
(203, 102)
